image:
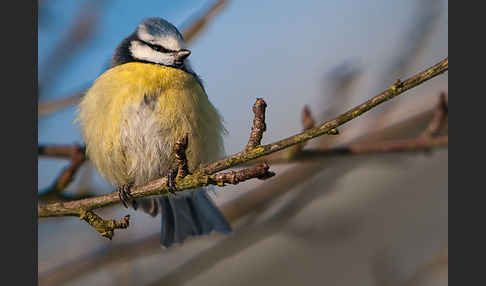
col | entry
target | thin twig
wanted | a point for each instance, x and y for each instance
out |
(260, 171)
(61, 151)
(56, 104)
(259, 125)
(76, 154)
(201, 22)
(105, 227)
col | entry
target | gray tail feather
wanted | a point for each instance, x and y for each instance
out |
(189, 213)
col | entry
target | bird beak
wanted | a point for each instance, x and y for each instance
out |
(182, 54)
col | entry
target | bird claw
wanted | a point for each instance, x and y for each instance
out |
(171, 184)
(124, 194)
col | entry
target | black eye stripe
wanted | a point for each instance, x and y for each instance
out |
(157, 47)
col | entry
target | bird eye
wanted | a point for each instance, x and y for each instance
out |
(159, 48)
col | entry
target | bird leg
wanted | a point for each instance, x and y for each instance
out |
(181, 169)
(171, 183)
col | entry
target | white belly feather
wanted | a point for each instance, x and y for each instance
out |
(134, 114)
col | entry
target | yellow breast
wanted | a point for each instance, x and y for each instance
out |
(134, 113)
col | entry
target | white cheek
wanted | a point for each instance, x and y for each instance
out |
(143, 52)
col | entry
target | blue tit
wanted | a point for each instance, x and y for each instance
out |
(135, 112)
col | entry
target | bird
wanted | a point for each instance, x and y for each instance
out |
(133, 115)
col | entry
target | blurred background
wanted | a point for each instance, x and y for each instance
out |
(375, 219)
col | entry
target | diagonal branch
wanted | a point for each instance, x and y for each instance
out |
(428, 140)
(201, 22)
(203, 176)
(76, 154)
(414, 144)
(56, 104)
(397, 89)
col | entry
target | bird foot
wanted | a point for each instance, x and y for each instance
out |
(171, 184)
(124, 193)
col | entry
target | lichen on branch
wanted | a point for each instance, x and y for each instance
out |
(105, 227)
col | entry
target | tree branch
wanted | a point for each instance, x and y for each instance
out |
(387, 146)
(105, 227)
(191, 32)
(429, 139)
(56, 104)
(156, 187)
(203, 176)
(76, 154)
(397, 89)
(259, 125)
